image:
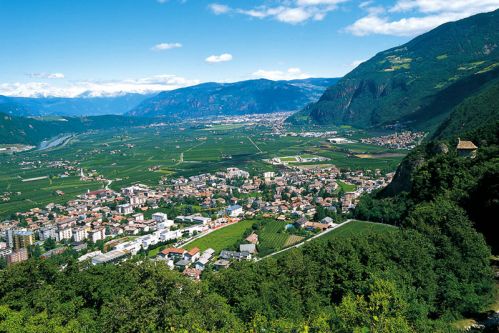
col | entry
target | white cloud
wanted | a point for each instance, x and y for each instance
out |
(219, 58)
(276, 75)
(287, 11)
(97, 88)
(423, 15)
(292, 15)
(46, 75)
(166, 46)
(218, 9)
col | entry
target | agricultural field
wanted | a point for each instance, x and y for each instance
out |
(356, 228)
(146, 154)
(272, 237)
(223, 238)
(293, 239)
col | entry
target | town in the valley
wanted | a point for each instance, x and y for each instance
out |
(106, 226)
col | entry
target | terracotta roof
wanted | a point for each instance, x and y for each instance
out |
(253, 238)
(193, 251)
(466, 145)
(173, 250)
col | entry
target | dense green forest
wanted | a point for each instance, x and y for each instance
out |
(435, 171)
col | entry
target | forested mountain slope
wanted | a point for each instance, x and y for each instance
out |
(417, 83)
(245, 97)
(32, 131)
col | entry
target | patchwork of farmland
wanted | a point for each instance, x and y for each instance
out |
(146, 155)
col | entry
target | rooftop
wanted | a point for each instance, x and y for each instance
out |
(465, 145)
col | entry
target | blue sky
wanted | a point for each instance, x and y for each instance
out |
(66, 47)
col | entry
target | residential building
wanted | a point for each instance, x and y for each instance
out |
(64, 233)
(253, 238)
(139, 217)
(250, 248)
(221, 264)
(47, 232)
(125, 209)
(23, 239)
(228, 255)
(234, 211)
(97, 234)
(173, 253)
(5, 252)
(79, 234)
(192, 255)
(17, 256)
(466, 148)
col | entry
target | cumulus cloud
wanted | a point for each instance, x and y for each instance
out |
(420, 16)
(166, 46)
(287, 11)
(218, 9)
(224, 57)
(46, 75)
(96, 88)
(293, 73)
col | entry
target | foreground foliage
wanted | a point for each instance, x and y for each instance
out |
(411, 280)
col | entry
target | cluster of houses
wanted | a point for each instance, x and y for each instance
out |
(106, 214)
(402, 140)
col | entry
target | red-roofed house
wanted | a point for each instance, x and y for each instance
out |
(173, 253)
(192, 255)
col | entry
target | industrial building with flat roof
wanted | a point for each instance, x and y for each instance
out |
(111, 257)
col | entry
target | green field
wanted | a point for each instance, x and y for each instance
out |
(272, 237)
(346, 187)
(223, 238)
(356, 228)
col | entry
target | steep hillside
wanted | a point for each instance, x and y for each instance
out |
(406, 83)
(475, 111)
(246, 97)
(32, 131)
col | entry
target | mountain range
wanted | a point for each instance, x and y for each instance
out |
(245, 97)
(28, 130)
(419, 83)
(77, 106)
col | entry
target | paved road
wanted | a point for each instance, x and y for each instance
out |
(254, 144)
(308, 240)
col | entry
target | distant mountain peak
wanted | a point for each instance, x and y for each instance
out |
(243, 97)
